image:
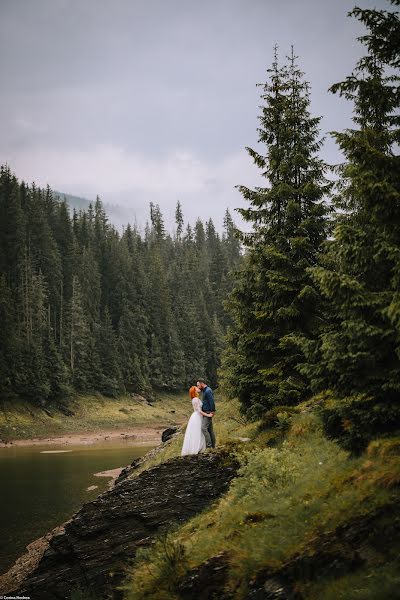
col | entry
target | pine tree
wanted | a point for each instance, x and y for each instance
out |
(109, 360)
(89, 280)
(43, 247)
(274, 304)
(232, 251)
(157, 221)
(57, 372)
(79, 341)
(133, 351)
(231, 240)
(12, 226)
(67, 247)
(358, 356)
(179, 221)
(8, 339)
(31, 376)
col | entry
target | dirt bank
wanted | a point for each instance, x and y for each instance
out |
(139, 434)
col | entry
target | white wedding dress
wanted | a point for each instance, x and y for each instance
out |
(194, 440)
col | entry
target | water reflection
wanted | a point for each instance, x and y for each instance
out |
(42, 488)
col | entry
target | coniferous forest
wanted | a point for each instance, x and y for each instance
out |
(312, 308)
(84, 309)
(316, 305)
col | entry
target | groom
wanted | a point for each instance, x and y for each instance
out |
(208, 407)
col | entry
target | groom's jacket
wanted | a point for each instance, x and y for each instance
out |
(208, 400)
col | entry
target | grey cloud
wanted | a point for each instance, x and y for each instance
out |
(153, 78)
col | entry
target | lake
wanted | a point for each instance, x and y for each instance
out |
(42, 490)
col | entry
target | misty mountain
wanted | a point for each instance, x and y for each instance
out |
(119, 216)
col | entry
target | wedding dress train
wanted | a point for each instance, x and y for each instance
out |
(194, 440)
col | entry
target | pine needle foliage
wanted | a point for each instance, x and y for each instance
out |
(275, 301)
(358, 353)
(85, 309)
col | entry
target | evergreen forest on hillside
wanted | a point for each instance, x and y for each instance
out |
(85, 309)
(316, 306)
(311, 309)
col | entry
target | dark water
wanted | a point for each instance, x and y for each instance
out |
(40, 491)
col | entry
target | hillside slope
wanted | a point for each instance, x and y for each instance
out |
(278, 511)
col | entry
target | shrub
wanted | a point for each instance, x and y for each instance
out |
(384, 447)
(160, 568)
(280, 417)
(354, 421)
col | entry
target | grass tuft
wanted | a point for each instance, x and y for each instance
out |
(384, 447)
(161, 575)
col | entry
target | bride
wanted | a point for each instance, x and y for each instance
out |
(194, 441)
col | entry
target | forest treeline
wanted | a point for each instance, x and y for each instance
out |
(313, 308)
(85, 309)
(316, 306)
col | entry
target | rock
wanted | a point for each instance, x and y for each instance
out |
(273, 589)
(138, 398)
(207, 581)
(332, 554)
(139, 461)
(26, 563)
(104, 535)
(65, 410)
(128, 470)
(168, 433)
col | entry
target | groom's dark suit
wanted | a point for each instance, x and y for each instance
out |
(207, 425)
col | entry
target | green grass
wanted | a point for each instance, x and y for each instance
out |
(381, 582)
(21, 420)
(285, 499)
(294, 488)
(229, 428)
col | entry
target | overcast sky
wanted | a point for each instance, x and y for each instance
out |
(155, 100)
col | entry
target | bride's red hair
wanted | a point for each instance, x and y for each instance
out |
(193, 392)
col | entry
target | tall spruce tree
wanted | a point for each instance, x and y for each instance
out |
(110, 371)
(179, 221)
(274, 304)
(79, 341)
(231, 240)
(358, 356)
(9, 340)
(31, 376)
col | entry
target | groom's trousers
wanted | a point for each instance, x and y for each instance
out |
(208, 431)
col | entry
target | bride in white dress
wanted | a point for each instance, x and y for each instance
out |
(194, 441)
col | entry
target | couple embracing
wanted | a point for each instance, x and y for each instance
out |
(199, 431)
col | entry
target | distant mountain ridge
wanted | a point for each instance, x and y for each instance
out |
(76, 202)
(118, 215)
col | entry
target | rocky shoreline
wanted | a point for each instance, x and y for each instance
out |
(28, 562)
(94, 546)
